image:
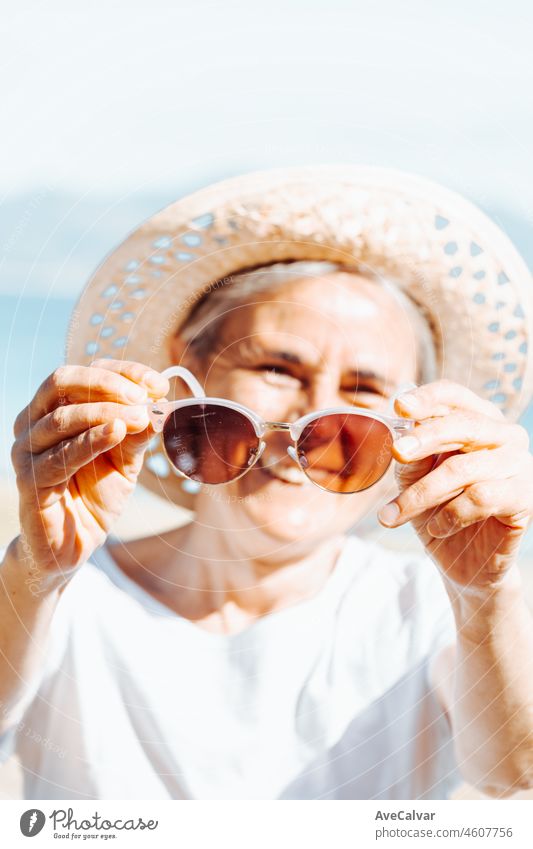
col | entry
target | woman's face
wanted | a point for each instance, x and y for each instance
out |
(309, 345)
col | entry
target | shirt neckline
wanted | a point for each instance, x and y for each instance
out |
(343, 570)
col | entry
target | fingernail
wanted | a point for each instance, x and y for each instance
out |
(407, 445)
(438, 525)
(389, 513)
(108, 428)
(153, 380)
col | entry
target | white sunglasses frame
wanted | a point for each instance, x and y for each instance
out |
(159, 412)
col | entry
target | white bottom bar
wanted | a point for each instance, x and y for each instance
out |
(271, 825)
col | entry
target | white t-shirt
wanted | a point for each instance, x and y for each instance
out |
(326, 699)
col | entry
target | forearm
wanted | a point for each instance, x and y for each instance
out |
(25, 617)
(492, 704)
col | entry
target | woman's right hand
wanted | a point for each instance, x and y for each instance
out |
(79, 447)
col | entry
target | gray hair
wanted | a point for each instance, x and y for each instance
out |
(201, 329)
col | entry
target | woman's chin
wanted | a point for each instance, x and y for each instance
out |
(287, 510)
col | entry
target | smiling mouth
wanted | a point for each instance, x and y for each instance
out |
(279, 469)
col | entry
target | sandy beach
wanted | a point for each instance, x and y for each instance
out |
(147, 514)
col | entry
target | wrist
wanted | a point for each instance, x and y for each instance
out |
(22, 570)
(482, 611)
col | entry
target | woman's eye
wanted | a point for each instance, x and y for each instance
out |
(362, 390)
(278, 374)
(365, 395)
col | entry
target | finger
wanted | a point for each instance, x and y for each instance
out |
(78, 384)
(67, 422)
(507, 500)
(450, 478)
(458, 431)
(441, 397)
(408, 473)
(128, 456)
(58, 464)
(156, 385)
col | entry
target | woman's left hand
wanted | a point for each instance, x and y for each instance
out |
(465, 476)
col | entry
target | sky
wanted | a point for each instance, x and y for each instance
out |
(112, 110)
(111, 97)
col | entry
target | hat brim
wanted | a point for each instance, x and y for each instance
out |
(461, 269)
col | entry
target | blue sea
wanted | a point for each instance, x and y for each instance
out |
(32, 344)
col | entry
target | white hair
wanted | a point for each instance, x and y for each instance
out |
(201, 329)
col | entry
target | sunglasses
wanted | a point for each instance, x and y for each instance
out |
(216, 441)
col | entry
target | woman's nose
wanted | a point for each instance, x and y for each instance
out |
(324, 392)
(318, 395)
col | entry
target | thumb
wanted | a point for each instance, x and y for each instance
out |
(128, 455)
(408, 473)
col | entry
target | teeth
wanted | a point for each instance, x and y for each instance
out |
(288, 474)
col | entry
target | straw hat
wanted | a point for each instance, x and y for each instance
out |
(454, 262)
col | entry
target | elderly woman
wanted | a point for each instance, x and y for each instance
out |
(265, 649)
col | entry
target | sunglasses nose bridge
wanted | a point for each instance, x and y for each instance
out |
(286, 426)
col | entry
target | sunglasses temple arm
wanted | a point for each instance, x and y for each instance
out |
(180, 371)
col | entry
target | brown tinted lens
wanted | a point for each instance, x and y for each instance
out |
(345, 452)
(210, 443)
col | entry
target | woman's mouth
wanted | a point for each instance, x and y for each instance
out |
(279, 468)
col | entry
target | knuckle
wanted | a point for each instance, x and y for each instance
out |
(58, 378)
(16, 454)
(135, 371)
(472, 422)
(57, 457)
(98, 411)
(22, 422)
(480, 494)
(57, 420)
(454, 465)
(417, 494)
(21, 461)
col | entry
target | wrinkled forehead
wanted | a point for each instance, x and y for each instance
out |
(342, 316)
